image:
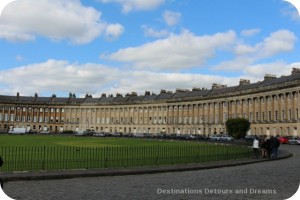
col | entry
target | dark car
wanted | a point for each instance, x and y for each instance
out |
(249, 138)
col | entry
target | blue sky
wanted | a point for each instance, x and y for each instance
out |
(124, 46)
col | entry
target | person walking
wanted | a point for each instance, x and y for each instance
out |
(255, 147)
(275, 148)
(272, 146)
(263, 146)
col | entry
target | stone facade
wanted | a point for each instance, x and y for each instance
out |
(272, 107)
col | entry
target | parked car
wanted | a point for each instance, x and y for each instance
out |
(283, 140)
(190, 137)
(226, 138)
(249, 138)
(294, 141)
(99, 135)
(214, 137)
(201, 137)
(45, 132)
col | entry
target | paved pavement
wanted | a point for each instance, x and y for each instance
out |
(276, 180)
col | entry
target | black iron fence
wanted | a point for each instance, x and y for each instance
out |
(46, 157)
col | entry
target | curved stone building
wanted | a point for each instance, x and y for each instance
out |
(272, 107)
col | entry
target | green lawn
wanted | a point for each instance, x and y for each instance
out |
(77, 141)
(45, 152)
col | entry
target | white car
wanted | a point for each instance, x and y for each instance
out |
(226, 138)
(99, 134)
(294, 141)
(45, 132)
(214, 137)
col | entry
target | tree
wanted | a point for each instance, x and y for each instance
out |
(237, 127)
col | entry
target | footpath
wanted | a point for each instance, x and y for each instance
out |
(69, 173)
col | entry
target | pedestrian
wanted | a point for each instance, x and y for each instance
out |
(272, 146)
(263, 146)
(275, 148)
(1, 163)
(255, 147)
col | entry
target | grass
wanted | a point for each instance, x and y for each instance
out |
(44, 152)
(75, 141)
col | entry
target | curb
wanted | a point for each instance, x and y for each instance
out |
(67, 174)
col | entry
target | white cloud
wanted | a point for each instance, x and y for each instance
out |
(250, 32)
(63, 77)
(132, 5)
(150, 32)
(258, 71)
(171, 18)
(140, 81)
(58, 76)
(55, 19)
(114, 31)
(174, 52)
(281, 41)
(278, 42)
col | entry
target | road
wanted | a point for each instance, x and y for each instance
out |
(276, 180)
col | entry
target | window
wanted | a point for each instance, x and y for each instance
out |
(283, 115)
(12, 117)
(225, 117)
(216, 119)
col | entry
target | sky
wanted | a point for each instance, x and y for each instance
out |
(122, 46)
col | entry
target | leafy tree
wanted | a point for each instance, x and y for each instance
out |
(237, 127)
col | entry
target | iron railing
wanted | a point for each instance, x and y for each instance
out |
(47, 157)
